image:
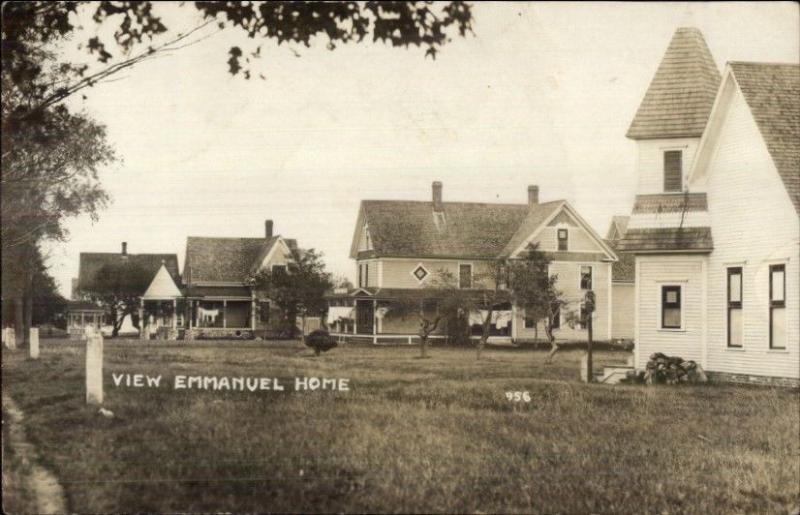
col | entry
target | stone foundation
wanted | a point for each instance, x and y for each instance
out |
(726, 377)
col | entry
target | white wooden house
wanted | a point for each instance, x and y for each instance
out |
(715, 226)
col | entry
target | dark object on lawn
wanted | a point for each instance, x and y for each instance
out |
(672, 369)
(320, 341)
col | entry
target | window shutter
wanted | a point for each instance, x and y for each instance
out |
(673, 170)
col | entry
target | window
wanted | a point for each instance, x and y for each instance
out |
(420, 273)
(530, 323)
(360, 275)
(278, 269)
(263, 312)
(563, 238)
(777, 307)
(465, 276)
(735, 307)
(673, 170)
(671, 307)
(366, 274)
(556, 316)
(586, 277)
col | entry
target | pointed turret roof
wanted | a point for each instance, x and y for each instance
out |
(682, 92)
(162, 286)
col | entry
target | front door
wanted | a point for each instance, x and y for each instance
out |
(365, 316)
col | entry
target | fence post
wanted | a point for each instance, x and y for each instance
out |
(10, 338)
(33, 348)
(94, 369)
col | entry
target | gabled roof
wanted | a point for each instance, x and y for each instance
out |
(227, 260)
(619, 224)
(467, 230)
(535, 217)
(91, 262)
(624, 269)
(222, 259)
(772, 91)
(402, 228)
(681, 94)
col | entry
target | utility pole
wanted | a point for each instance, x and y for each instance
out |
(589, 309)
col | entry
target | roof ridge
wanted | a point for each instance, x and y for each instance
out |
(516, 204)
(765, 63)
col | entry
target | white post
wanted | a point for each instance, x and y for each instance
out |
(174, 313)
(224, 314)
(94, 369)
(584, 366)
(11, 338)
(33, 348)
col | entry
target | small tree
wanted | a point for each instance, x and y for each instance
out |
(439, 300)
(299, 289)
(118, 287)
(534, 289)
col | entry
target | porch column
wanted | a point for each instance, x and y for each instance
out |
(190, 314)
(224, 309)
(253, 311)
(82, 320)
(374, 321)
(174, 313)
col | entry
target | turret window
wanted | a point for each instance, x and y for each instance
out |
(673, 171)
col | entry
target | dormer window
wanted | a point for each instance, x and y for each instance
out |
(278, 269)
(563, 239)
(673, 171)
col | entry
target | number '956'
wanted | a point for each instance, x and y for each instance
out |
(518, 396)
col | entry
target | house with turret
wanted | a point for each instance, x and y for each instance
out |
(715, 225)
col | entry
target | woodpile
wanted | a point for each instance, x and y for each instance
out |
(672, 369)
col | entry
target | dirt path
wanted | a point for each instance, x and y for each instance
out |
(36, 480)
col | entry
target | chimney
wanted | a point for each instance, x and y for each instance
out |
(437, 196)
(533, 195)
(124, 248)
(268, 229)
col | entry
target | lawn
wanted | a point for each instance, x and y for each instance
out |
(410, 435)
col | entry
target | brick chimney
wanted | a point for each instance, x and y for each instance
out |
(436, 190)
(533, 195)
(268, 229)
(124, 248)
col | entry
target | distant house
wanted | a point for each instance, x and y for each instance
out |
(715, 227)
(219, 301)
(399, 246)
(622, 283)
(81, 313)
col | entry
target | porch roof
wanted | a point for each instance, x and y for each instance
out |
(414, 294)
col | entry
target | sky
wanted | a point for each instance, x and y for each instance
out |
(542, 93)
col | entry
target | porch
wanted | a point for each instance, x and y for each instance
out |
(375, 316)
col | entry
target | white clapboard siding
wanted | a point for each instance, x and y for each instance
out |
(652, 272)
(754, 225)
(650, 161)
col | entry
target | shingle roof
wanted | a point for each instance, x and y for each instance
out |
(682, 92)
(400, 228)
(670, 203)
(624, 269)
(773, 93)
(81, 305)
(620, 224)
(694, 239)
(91, 262)
(223, 259)
(404, 294)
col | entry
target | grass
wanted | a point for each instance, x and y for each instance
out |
(434, 435)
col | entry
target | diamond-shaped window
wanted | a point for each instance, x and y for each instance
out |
(420, 273)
